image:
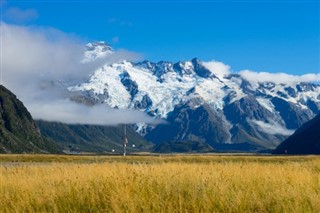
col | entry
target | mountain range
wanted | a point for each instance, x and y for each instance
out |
(200, 101)
(205, 107)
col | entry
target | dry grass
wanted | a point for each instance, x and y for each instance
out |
(159, 184)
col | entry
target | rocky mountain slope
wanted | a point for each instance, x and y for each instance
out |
(306, 140)
(18, 132)
(202, 101)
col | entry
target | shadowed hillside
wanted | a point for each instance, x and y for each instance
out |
(18, 131)
(306, 140)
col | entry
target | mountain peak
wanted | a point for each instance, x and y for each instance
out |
(98, 43)
(96, 50)
(196, 61)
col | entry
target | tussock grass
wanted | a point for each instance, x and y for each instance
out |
(160, 184)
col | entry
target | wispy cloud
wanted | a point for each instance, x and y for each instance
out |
(278, 77)
(17, 15)
(39, 63)
(272, 128)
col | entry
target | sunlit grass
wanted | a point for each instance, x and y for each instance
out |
(159, 184)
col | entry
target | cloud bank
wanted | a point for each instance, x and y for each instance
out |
(278, 77)
(223, 70)
(73, 113)
(39, 63)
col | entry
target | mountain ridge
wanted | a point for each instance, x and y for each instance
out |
(260, 113)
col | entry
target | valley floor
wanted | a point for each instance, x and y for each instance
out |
(163, 183)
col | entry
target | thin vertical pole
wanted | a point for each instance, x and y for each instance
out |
(125, 140)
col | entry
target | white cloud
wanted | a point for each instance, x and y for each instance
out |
(39, 52)
(35, 60)
(273, 128)
(217, 68)
(278, 77)
(19, 15)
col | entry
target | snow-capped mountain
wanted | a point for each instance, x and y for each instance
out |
(202, 101)
(96, 50)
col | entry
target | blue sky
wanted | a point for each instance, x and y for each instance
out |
(273, 36)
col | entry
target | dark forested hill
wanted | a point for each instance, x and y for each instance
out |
(18, 131)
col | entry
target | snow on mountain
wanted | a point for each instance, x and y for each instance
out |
(165, 86)
(266, 103)
(160, 89)
(96, 50)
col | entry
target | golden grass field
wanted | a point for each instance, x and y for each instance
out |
(208, 183)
